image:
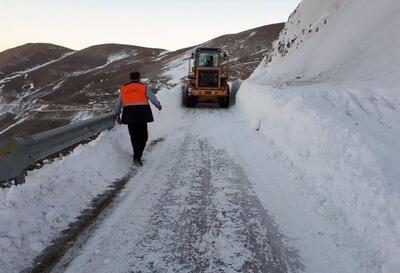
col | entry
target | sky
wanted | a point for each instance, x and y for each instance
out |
(151, 23)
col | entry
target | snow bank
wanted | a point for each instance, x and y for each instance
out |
(33, 214)
(329, 98)
(348, 157)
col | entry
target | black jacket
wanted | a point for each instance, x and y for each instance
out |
(136, 113)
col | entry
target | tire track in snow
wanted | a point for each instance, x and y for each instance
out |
(194, 211)
(209, 220)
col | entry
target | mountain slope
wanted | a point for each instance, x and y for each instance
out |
(29, 56)
(55, 93)
(340, 40)
(245, 50)
(83, 83)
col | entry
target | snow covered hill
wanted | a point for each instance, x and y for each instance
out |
(29, 56)
(40, 89)
(340, 40)
(76, 85)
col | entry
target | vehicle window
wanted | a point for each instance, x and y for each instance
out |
(208, 59)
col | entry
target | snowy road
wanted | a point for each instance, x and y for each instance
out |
(221, 191)
(301, 175)
(190, 209)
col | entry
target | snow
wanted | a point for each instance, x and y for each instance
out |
(345, 147)
(352, 43)
(12, 125)
(178, 68)
(33, 213)
(82, 115)
(160, 206)
(315, 132)
(161, 55)
(330, 102)
(327, 189)
(26, 71)
(9, 78)
(319, 193)
(58, 85)
(111, 59)
(6, 107)
(119, 56)
(252, 34)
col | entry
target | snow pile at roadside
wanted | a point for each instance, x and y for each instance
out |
(329, 99)
(348, 158)
(33, 214)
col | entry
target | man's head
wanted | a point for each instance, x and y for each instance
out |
(135, 76)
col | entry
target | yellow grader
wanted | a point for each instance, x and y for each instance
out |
(208, 78)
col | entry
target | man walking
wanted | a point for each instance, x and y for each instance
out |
(134, 99)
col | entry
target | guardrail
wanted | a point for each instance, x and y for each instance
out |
(17, 153)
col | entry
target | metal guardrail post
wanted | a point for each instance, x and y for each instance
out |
(16, 154)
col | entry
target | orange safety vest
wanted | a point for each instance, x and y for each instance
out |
(133, 93)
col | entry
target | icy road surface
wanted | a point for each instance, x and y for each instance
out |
(253, 188)
(190, 209)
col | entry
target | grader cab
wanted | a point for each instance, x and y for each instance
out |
(208, 78)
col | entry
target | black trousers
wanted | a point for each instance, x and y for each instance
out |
(139, 136)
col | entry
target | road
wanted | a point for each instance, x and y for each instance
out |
(191, 208)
